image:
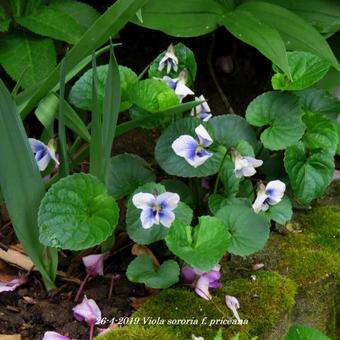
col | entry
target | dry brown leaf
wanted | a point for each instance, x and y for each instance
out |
(17, 258)
(138, 249)
(7, 273)
(10, 337)
(29, 300)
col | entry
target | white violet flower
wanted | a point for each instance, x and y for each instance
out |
(156, 209)
(270, 194)
(202, 110)
(179, 85)
(194, 150)
(43, 153)
(245, 165)
(170, 61)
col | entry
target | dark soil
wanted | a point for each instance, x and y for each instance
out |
(30, 310)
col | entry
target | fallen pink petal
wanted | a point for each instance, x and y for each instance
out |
(13, 284)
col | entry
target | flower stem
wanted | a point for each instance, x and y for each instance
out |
(219, 172)
(81, 287)
(91, 331)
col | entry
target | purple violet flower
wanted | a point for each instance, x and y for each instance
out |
(54, 336)
(233, 304)
(202, 281)
(43, 153)
(13, 284)
(89, 312)
(202, 110)
(169, 61)
(94, 264)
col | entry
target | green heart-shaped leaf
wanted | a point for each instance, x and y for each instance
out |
(77, 213)
(249, 231)
(309, 173)
(126, 173)
(281, 212)
(201, 247)
(229, 130)
(306, 69)
(282, 112)
(142, 270)
(157, 232)
(81, 92)
(178, 166)
(321, 133)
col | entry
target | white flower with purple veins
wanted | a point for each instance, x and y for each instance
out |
(245, 165)
(170, 61)
(179, 85)
(202, 111)
(156, 209)
(233, 304)
(194, 150)
(270, 194)
(43, 153)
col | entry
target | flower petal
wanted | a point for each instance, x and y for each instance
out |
(275, 191)
(94, 264)
(248, 171)
(147, 218)
(166, 217)
(185, 146)
(199, 160)
(36, 145)
(202, 288)
(259, 204)
(203, 135)
(87, 311)
(188, 274)
(54, 336)
(168, 200)
(44, 161)
(253, 161)
(182, 90)
(143, 200)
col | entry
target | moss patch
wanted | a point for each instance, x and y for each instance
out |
(262, 302)
(323, 225)
(138, 333)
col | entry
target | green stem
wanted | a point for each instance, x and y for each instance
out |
(219, 172)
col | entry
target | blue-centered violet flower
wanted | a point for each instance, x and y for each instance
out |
(194, 150)
(245, 165)
(270, 194)
(201, 111)
(43, 153)
(179, 85)
(170, 61)
(156, 209)
(54, 336)
(202, 281)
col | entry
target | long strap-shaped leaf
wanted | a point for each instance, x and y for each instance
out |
(22, 187)
(106, 26)
(110, 109)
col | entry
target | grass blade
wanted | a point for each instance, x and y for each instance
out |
(47, 110)
(111, 107)
(107, 25)
(64, 162)
(96, 145)
(22, 187)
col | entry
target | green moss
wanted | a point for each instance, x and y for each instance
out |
(323, 225)
(140, 333)
(262, 302)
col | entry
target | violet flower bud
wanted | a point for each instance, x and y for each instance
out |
(94, 264)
